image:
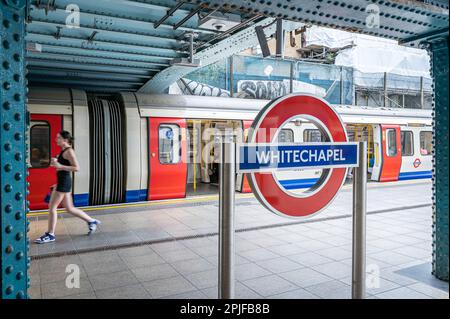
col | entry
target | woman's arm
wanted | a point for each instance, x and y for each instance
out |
(71, 157)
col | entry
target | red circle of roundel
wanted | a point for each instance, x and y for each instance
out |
(265, 186)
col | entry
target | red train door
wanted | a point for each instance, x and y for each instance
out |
(391, 153)
(43, 130)
(167, 158)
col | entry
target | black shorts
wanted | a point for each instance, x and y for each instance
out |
(64, 182)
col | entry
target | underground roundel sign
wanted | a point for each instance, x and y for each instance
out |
(262, 156)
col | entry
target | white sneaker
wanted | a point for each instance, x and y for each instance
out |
(46, 238)
(93, 226)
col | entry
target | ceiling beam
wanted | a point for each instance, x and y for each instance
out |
(76, 42)
(88, 52)
(51, 28)
(233, 44)
(88, 66)
(80, 74)
(94, 82)
(90, 87)
(80, 58)
(102, 17)
(398, 19)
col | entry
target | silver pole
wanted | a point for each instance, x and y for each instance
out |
(422, 97)
(226, 217)
(359, 224)
(191, 48)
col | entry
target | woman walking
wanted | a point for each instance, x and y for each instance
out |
(65, 164)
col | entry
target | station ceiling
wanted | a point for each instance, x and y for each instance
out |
(122, 45)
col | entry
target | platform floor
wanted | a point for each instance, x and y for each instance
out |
(169, 250)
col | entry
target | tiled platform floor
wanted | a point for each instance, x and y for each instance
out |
(161, 222)
(310, 260)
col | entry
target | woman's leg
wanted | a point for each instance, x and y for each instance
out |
(68, 204)
(55, 200)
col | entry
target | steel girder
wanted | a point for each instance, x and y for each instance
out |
(438, 49)
(110, 35)
(14, 260)
(231, 45)
(398, 19)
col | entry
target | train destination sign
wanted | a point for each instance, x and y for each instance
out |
(273, 157)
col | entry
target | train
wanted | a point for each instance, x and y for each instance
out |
(136, 147)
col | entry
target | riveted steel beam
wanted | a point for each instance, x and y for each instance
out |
(92, 88)
(170, 12)
(83, 52)
(167, 43)
(77, 74)
(73, 42)
(89, 67)
(79, 58)
(139, 57)
(69, 82)
(394, 19)
(438, 48)
(101, 13)
(233, 44)
(14, 260)
(418, 40)
(187, 17)
(57, 31)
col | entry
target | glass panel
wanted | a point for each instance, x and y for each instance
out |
(312, 136)
(211, 80)
(426, 147)
(169, 144)
(407, 143)
(391, 142)
(257, 78)
(286, 136)
(40, 145)
(324, 81)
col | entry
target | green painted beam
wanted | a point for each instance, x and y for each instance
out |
(439, 53)
(14, 260)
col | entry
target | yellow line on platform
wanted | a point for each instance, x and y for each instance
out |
(198, 199)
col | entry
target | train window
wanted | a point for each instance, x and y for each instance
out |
(407, 143)
(426, 146)
(40, 145)
(391, 142)
(169, 144)
(286, 136)
(313, 135)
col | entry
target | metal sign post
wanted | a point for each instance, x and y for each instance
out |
(226, 216)
(359, 224)
(263, 154)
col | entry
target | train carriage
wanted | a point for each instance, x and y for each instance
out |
(138, 147)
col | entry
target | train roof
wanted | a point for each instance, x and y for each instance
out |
(60, 101)
(202, 107)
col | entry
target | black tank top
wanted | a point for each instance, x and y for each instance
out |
(61, 160)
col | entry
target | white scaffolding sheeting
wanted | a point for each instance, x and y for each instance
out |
(371, 57)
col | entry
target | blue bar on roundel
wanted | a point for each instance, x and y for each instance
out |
(273, 157)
